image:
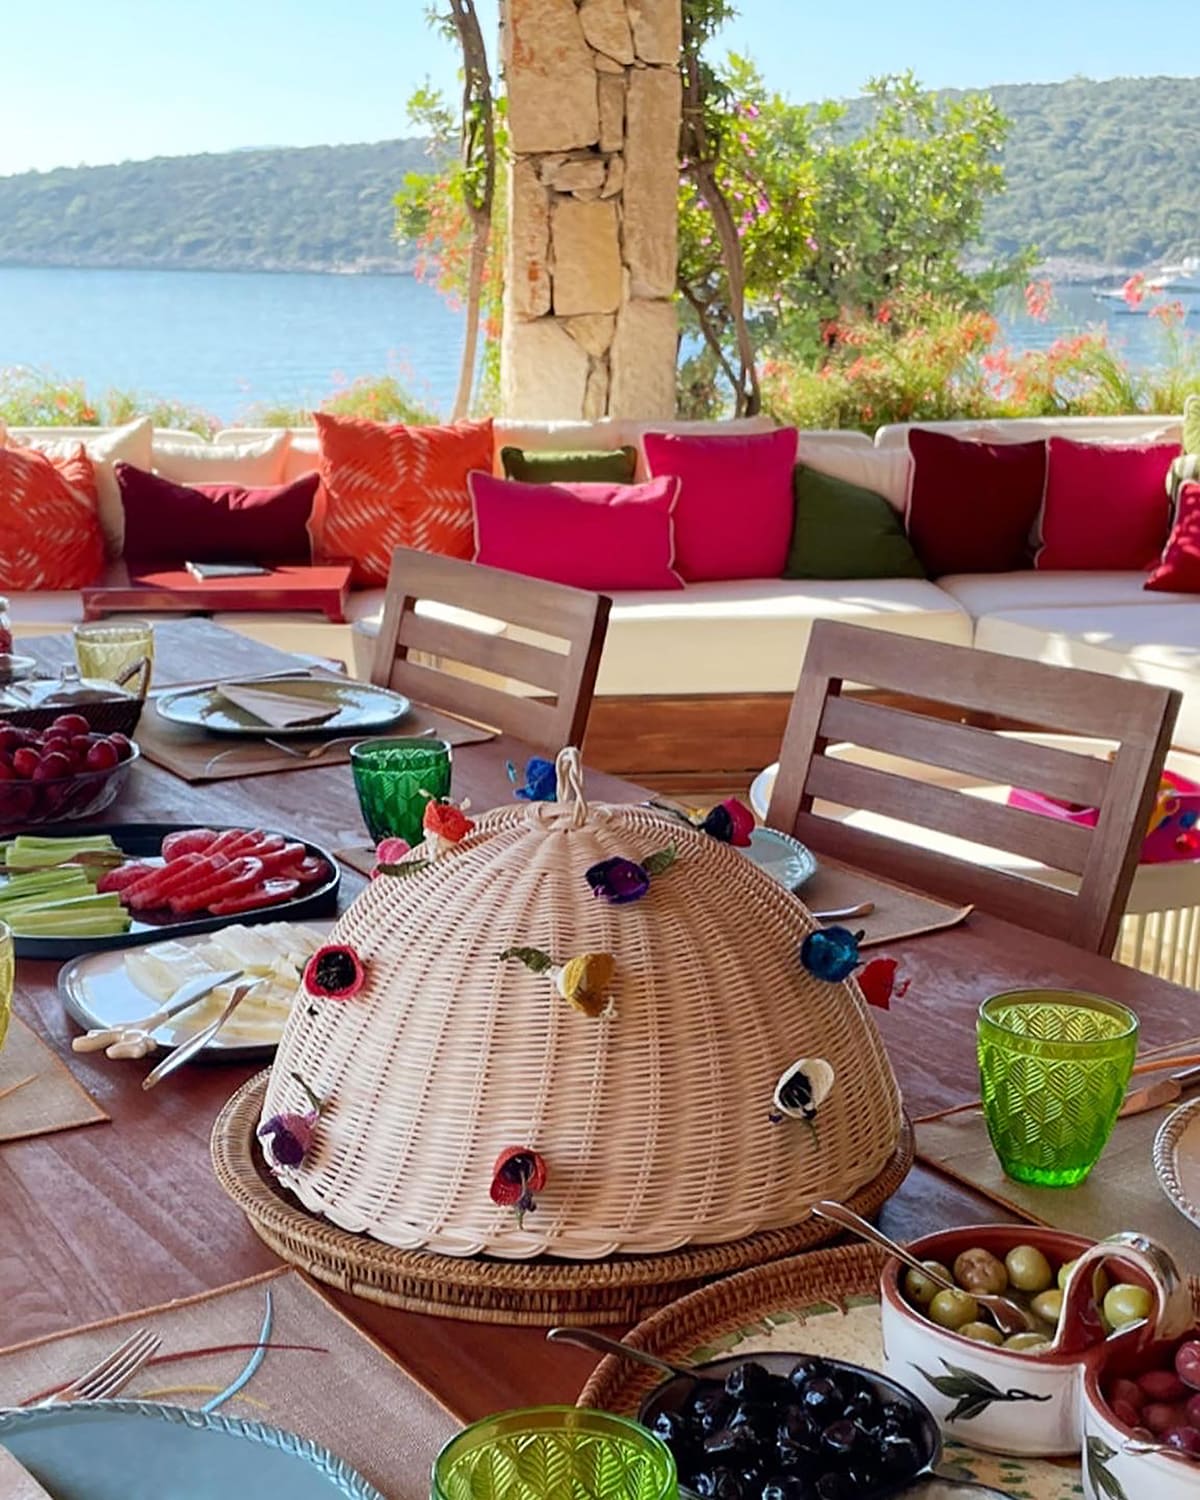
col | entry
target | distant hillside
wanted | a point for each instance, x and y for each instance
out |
(318, 208)
(1098, 173)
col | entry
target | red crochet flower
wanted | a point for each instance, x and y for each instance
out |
(518, 1173)
(335, 972)
(447, 821)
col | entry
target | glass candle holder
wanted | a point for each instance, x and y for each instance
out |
(105, 648)
(395, 779)
(1053, 1069)
(547, 1451)
(7, 966)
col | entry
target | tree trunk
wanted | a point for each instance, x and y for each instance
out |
(478, 137)
(476, 275)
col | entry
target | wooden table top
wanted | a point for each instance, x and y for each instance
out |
(104, 1220)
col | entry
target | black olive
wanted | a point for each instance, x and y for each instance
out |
(669, 1425)
(729, 1486)
(704, 1482)
(710, 1407)
(899, 1415)
(748, 1382)
(809, 1369)
(822, 1398)
(900, 1456)
(730, 1440)
(865, 1475)
(842, 1438)
(758, 1416)
(861, 1407)
(786, 1487)
(834, 1487)
(796, 1422)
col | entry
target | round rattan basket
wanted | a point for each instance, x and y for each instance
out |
(654, 1120)
(477, 1289)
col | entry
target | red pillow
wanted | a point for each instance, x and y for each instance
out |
(1106, 505)
(594, 536)
(167, 522)
(1179, 569)
(735, 511)
(49, 529)
(972, 505)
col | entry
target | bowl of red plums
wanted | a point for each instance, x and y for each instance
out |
(1070, 1307)
(1141, 1423)
(781, 1426)
(62, 772)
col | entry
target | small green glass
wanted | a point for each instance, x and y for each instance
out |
(1053, 1069)
(555, 1453)
(395, 779)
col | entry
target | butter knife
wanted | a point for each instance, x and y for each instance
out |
(1153, 1095)
(187, 1050)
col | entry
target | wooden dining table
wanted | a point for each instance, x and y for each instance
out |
(102, 1221)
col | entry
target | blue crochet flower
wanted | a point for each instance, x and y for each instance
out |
(541, 781)
(831, 953)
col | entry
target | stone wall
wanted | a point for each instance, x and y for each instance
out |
(593, 114)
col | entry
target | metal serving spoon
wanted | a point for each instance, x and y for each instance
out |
(1008, 1316)
(587, 1339)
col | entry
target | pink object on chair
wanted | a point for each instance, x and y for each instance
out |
(1174, 832)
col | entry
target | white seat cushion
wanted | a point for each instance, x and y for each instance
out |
(747, 636)
(994, 593)
(256, 462)
(1157, 643)
(1139, 429)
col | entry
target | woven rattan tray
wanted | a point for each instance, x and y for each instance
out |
(620, 1289)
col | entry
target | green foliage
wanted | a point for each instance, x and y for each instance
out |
(32, 398)
(314, 208)
(378, 398)
(833, 220)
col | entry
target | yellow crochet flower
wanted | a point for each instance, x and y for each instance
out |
(585, 982)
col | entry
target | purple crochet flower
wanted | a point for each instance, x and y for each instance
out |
(288, 1137)
(618, 880)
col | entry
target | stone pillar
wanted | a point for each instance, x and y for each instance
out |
(593, 116)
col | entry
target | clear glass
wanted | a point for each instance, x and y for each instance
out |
(1053, 1069)
(6, 979)
(395, 779)
(548, 1452)
(104, 648)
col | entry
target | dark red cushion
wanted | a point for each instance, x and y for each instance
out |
(167, 522)
(1179, 570)
(972, 505)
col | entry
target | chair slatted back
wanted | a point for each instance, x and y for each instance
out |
(1009, 694)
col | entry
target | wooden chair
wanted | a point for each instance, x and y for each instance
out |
(1007, 693)
(468, 667)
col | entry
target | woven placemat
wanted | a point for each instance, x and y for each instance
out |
(38, 1092)
(899, 913)
(619, 1289)
(195, 756)
(1122, 1191)
(825, 1302)
(341, 1389)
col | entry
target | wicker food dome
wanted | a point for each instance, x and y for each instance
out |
(649, 1127)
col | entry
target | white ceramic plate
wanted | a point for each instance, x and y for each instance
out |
(1177, 1159)
(97, 991)
(358, 707)
(784, 858)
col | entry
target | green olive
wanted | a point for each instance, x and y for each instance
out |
(982, 1333)
(1028, 1269)
(1100, 1282)
(1047, 1306)
(919, 1289)
(1125, 1304)
(980, 1271)
(1025, 1343)
(953, 1308)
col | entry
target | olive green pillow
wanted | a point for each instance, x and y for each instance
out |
(537, 466)
(844, 531)
(1191, 424)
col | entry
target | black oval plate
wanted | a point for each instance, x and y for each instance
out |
(143, 841)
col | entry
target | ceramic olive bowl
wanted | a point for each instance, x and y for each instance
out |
(1027, 1405)
(923, 1484)
(1110, 1470)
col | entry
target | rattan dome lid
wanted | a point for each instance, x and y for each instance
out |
(655, 1123)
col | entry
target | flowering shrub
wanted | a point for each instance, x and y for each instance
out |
(31, 398)
(922, 359)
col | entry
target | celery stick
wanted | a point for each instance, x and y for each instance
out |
(49, 884)
(101, 924)
(79, 841)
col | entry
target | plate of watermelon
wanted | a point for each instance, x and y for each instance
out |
(159, 880)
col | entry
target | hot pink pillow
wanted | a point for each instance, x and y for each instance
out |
(1179, 569)
(1105, 506)
(593, 536)
(735, 512)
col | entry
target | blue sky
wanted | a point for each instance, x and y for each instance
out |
(85, 82)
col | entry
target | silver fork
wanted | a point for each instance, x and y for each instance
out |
(313, 752)
(112, 1373)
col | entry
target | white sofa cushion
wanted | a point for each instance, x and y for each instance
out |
(1157, 643)
(1140, 429)
(748, 636)
(990, 593)
(105, 446)
(887, 471)
(258, 461)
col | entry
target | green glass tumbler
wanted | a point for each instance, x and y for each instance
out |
(555, 1453)
(1053, 1069)
(395, 779)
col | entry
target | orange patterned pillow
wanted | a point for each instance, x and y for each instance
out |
(386, 487)
(50, 534)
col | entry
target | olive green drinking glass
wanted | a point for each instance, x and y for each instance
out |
(395, 779)
(555, 1453)
(1053, 1069)
(105, 648)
